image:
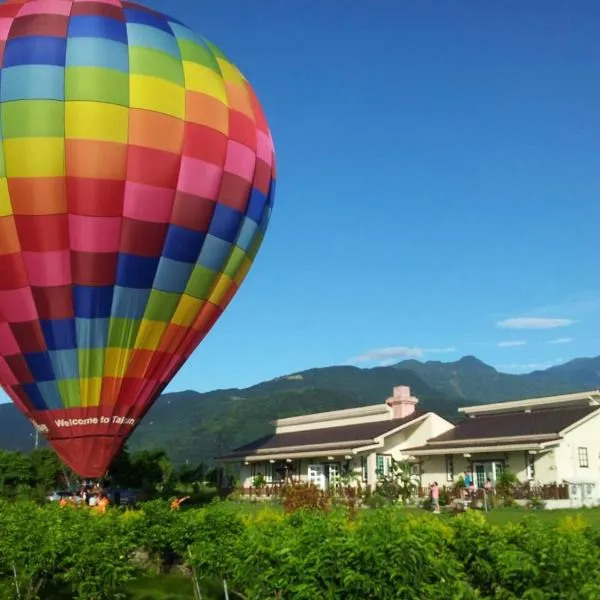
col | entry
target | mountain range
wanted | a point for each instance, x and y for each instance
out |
(195, 427)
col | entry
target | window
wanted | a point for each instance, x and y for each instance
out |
(380, 466)
(450, 468)
(530, 466)
(583, 458)
(364, 470)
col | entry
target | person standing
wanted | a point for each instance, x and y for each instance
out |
(435, 497)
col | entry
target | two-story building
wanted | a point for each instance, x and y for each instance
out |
(321, 447)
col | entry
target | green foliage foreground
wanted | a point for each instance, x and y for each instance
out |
(379, 554)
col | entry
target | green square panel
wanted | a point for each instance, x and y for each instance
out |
(234, 262)
(33, 118)
(216, 51)
(161, 306)
(2, 166)
(201, 282)
(69, 392)
(146, 61)
(97, 85)
(255, 246)
(91, 363)
(196, 53)
(122, 332)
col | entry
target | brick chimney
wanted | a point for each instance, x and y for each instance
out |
(401, 402)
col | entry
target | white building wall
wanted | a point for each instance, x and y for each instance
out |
(415, 435)
(337, 418)
(545, 467)
(586, 435)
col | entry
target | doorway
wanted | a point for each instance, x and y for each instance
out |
(484, 469)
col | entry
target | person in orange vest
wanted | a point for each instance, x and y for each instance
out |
(103, 503)
(176, 502)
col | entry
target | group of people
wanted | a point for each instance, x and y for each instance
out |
(468, 490)
(92, 496)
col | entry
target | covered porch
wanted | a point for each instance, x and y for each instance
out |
(529, 459)
(263, 473)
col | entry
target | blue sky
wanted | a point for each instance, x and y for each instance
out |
(438, 184)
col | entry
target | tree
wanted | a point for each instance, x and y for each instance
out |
(398, 484)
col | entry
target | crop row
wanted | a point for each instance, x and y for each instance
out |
(377, 554)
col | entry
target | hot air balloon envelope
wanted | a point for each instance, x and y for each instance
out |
(136, 183)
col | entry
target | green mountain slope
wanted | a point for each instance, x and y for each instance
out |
(473, 380)
(196, 427)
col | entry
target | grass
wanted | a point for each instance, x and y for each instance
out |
(164, 587)
(174, 587)
(503, 516)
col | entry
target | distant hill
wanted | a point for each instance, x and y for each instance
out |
(196, 427)
(473, 380)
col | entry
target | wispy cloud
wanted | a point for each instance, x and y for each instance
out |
(510, 344)
(528, 367)
(392, 354)
(534, 323)
(564, 340)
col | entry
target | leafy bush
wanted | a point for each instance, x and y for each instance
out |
(305, 496)
(41, 548)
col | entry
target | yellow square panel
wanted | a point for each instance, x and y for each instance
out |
(116, 362)
(89, 390)
(230, 72)
(150, 334)
(34, 157)
(187, 311)
(220, 289)
(156, 94)
(96, 121)
(5, 205)
(204, 80)
(243, 271)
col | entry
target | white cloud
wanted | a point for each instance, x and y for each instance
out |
(510, 344)
(564, 340)
(392, 354)
(528, 367)
(534, 323)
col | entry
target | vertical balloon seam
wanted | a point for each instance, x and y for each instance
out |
(71, 256)
(143, 408)
(103, 427)
(192, 333)
(25, 269)
(10, 369)
(133, 407)
(119, 441)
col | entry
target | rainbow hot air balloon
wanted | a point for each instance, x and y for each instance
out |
(137, 177)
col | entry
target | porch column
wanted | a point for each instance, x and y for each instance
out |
(371, 469)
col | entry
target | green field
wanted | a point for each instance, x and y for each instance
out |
(264, 552)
